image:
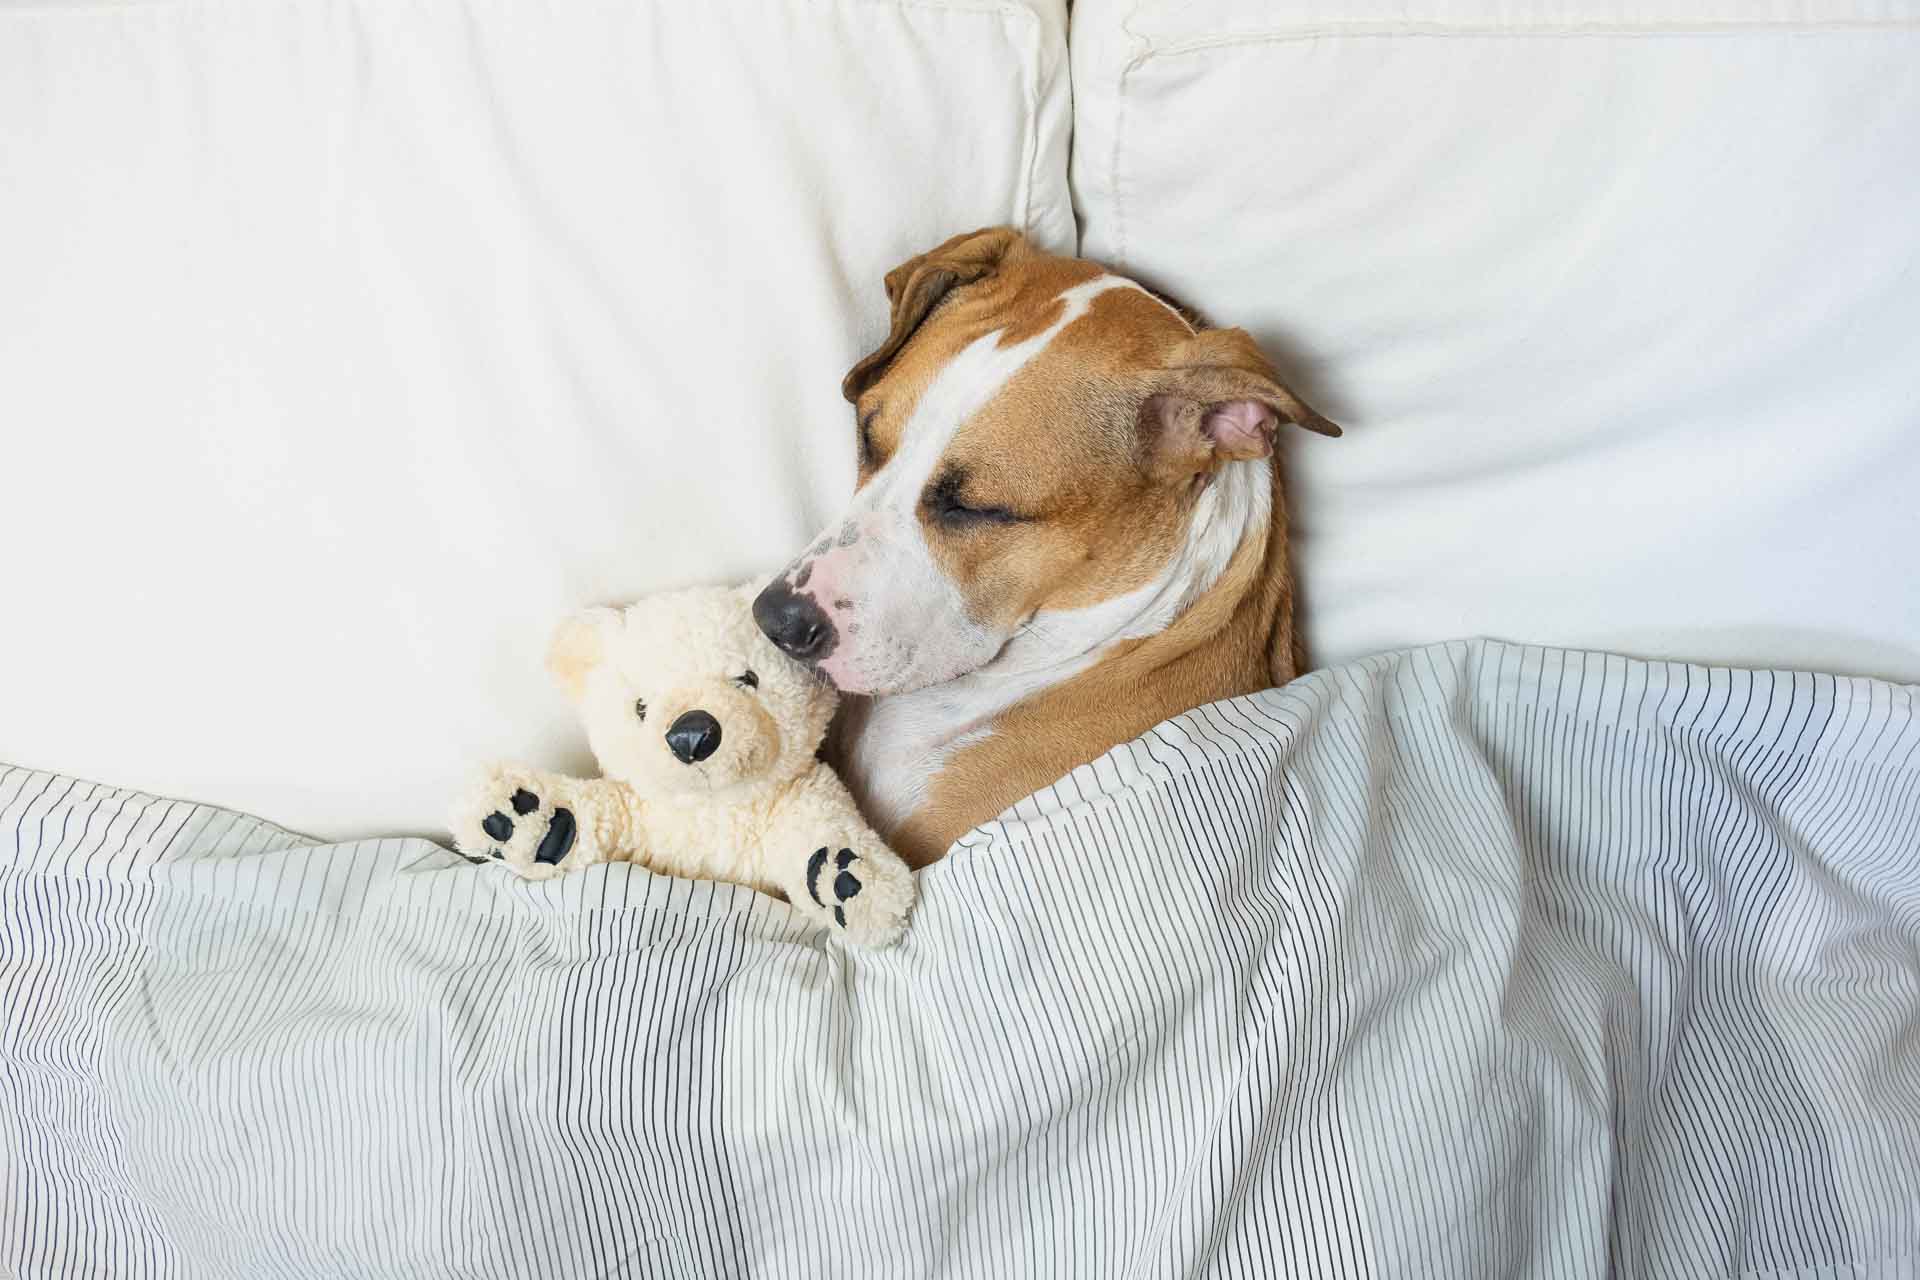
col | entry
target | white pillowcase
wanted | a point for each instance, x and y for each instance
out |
(1620, 303)
(346, 347)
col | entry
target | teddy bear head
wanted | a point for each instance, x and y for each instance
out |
(682, 694)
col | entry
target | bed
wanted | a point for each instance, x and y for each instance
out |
(1562, 923)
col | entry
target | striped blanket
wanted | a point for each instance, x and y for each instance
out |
(1469, 961)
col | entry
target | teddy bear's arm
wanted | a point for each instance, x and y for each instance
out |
(545, 824)
(833, 866)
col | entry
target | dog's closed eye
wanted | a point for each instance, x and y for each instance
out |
(945, 504)
(959, 514)
(640, 708)
(747, 680)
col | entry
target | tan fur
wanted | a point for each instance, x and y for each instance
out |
(1098, 443)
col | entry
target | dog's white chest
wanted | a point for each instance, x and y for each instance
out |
(897, 746)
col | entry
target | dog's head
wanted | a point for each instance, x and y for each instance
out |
(681, 693)
(1041, 445)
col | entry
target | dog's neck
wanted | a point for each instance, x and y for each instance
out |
(901, 751)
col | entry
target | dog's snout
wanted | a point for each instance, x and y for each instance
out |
(794, 622)
(693, 737)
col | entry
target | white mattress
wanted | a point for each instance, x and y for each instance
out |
(1472, 961)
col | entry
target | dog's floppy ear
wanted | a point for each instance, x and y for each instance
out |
(1218, 398)
(917, 285)
(579, 646)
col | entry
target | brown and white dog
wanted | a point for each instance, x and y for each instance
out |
(1068, 527)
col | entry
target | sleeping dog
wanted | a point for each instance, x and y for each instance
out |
(1068, 527)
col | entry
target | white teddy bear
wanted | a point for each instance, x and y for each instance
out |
(706, 735)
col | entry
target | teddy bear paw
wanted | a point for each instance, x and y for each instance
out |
(868, 893)
(510, 815)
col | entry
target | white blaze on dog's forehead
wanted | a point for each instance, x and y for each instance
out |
(963, 387)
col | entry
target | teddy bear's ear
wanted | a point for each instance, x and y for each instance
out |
(578, 647)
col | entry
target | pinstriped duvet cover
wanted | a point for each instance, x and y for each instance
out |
(1474, 960)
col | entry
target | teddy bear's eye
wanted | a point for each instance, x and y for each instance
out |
(640, 707)
(746, 679)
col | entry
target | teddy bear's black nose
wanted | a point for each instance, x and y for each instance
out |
(694, 737)
(794, 622)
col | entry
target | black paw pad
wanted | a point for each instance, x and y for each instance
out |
(558, 840)
(525, 802)
(814, 864)
(845, 886)
(845, 859)
(498, 825)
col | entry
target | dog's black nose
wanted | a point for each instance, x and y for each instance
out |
(693, 737)
(794, 622)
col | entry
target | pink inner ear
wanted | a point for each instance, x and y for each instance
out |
(1240, 428)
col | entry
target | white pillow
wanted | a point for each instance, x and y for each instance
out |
(346, 347)
(1620, 303)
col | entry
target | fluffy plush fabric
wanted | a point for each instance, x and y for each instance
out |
(706, 735)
